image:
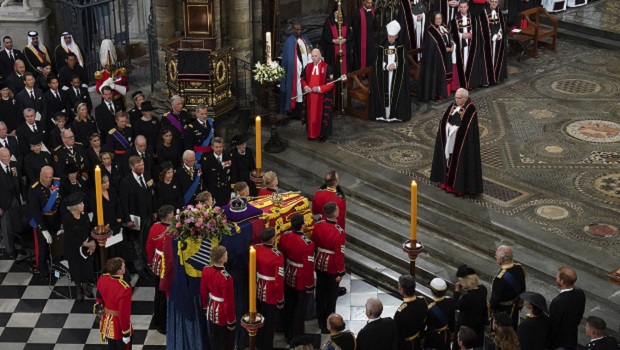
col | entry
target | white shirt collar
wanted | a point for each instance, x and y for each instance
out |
(374, 319)
(566, 290)
(136, 176)
(29, 90)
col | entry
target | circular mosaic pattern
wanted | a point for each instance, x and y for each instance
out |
(608, 185)
(512, 69)
(601, 230)
(593, 130)
(401, 157)
(554, 149)
(576, 86)
(552, 212)
(541, 114)
(545, 150)
(405, 156)
(370, 142)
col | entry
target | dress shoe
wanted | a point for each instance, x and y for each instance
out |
(322, 139)
(342, 291)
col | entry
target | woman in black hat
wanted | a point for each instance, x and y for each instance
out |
(167, 190)
(136, 112)
(36, 160)
(78, 245)
(470, 298)
(147, 126)
(167, 149)
(72, 183)
(504, 335)
(532, 331)
(109, 169)
(9, 110)
(242, 162)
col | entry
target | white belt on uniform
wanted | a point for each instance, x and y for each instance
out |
(290, 262)
(213, 297)
(266, 278)
(327, 251)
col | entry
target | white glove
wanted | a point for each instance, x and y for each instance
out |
(65, 88)
(108, 82)
(112, 86)
(48, 236)
(85, 86)
(126, 340)
(60, 232)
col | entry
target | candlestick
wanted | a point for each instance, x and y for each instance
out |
(268, 47)
(98, 196)
(259, 156)
(414, 211)
(252, 280)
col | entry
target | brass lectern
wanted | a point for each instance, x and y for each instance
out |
(196, 69)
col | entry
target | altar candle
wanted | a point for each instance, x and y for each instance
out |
(98, 196)
(259, 156)
(252, 279)
(414, 211)
(268, 46)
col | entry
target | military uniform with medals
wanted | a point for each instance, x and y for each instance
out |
(43, 203)
(505, 290)
(63, 157)
(410, 318)
(439, 324)
(196, 134)
(269, 289)
(114, 296)
(119, 148)
(178, 123)
(344, 340)
(218, 300)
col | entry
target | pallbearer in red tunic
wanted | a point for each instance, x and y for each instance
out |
(270, 285)
(319, 100)
(114, 298)
(330, 192)
(218, 299)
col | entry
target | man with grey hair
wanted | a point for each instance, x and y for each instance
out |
(10, 187)
(457, 165)
(200, 132)
(144, 151)
(379, 332)
(507, 285)
(9, 141)
(216, 176)
(69, 153)
(30, 128)
(177, 119)
(189, 178)
(43, 203)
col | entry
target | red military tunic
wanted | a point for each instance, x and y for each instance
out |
(270, 274)
(218, 296)
(118, 75)
(166, 274)
(329, 239)
(314, 100)
(326, 195)
(155, 246)
(299, 253)
(115, 295)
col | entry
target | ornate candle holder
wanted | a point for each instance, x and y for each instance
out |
(413, 248)
(256, 176)
(252, 322)
(101, 235)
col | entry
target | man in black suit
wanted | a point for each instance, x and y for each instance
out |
(55, 100)
(105, 113)
(15, 80)
(10, 142)
(596, 329)
(32, 97)
(10, 199)
(216, 172)
(28, 129)
(142, 150)
(70, 69)
(507, 285)
(76, 92)
(565, 310)
(189, 178)
(8, 56)
(136, 194)
(378, 333)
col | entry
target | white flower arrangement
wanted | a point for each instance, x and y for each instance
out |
(268, 73)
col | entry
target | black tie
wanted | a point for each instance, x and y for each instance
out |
(77, 92)
(142, 182)
(57, 95)
(32, 95)
(142, 156)
(34, 127)
(12, 57)
(5, 144)
(6, 167)
(111, 107)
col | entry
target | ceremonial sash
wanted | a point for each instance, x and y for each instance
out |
(192, 189)
(40, 54)
(120, 138)
(176, 123)
(440, 316)
(205, 146)
(516, 286)
(50, 202)
(363, 32)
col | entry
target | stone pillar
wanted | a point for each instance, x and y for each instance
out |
(257, 30)
(217, 22)
(17, 21)
(239, 25)
(165, 26)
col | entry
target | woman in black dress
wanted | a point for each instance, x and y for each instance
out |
(470, 298)
(46, 70)
(167, 150)
(532, 331)
(147, 126)
(168, 190)
(9, 111)
(136, 112)
(36, 160)
(78, 245)
(112, 171)
(84, 125)
(93, 154)
(242, 162)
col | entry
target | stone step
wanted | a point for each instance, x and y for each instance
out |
(444, 252)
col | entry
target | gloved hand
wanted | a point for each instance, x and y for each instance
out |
(126, 340)
(112, 86)
(107, 82)
(48, 236)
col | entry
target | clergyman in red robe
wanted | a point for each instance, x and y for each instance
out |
(319, 100)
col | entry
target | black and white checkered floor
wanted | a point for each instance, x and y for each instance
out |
(32, 316)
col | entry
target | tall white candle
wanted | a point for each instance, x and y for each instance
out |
(268, 47)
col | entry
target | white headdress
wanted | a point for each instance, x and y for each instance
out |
(107, 53)
(393, 28)
(73, 47)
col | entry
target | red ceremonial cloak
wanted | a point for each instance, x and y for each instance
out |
(318, 106)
